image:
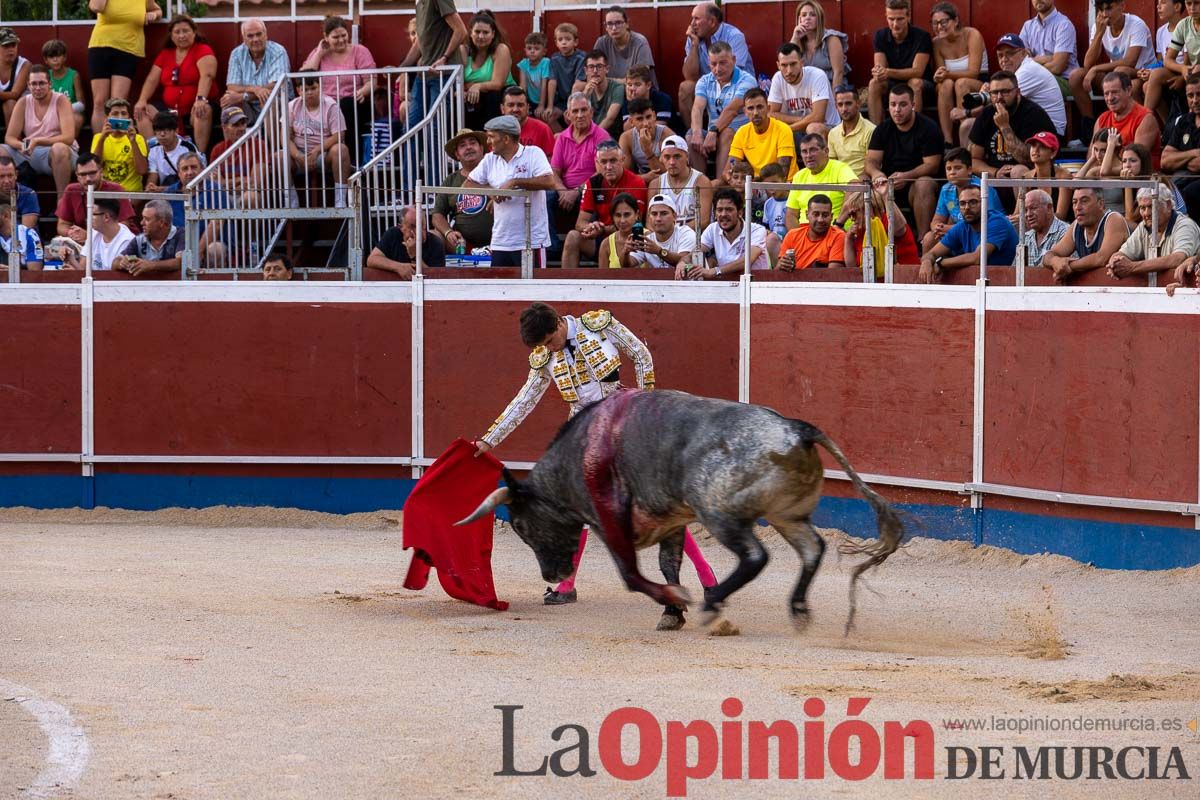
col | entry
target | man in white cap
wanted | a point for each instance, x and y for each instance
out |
(668, 245)
(513, 166)
(688, 189)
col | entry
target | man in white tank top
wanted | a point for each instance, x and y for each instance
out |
(689, 189)
(42, 130)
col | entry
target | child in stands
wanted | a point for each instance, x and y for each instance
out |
(63, 79)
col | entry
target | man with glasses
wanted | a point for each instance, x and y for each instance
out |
(960, 246)
(595, 213)
(41, 130)
(606, 96)
(72, 206)
(623, 47)
(999, 136)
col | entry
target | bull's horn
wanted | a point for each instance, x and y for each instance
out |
(495, 499)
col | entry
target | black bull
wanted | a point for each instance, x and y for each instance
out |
(638, 466)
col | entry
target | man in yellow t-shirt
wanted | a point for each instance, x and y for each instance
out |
(848, 142)
(120, 148)
(818, 168)
(764, 139)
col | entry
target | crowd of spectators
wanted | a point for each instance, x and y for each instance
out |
(623, 174)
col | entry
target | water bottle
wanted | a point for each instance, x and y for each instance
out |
(254, 255)
(460, 249)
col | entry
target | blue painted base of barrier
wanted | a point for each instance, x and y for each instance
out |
(1103, 544)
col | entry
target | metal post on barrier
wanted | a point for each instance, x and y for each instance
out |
(1152, 249)
(527, 248)
(748, 210)
(983, 226)
(88, 243)
(14, 248)
(418, 214)
(1022, 259)
(868, 248)
(889, 252)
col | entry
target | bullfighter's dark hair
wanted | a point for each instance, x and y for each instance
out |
(537, 322)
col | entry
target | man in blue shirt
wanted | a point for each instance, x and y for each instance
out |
(26, 242)
(719, 94)
(255, 66)
(708, 26)
(959, 246)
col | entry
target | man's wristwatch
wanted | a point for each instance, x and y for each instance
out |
(663, 253)
(937, 262)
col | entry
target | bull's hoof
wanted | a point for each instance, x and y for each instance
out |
(675, 595)
(671, 619)
(801, 619)
(718, 625)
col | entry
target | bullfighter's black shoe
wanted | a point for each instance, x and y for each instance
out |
(553, 598)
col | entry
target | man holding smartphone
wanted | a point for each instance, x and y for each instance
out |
(669, 245)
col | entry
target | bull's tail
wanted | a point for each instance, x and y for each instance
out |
(891, 529)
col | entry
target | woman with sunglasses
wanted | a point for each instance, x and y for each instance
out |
(186, 71)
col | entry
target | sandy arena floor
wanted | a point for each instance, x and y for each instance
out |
(273, 654)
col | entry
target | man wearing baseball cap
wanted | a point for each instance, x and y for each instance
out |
(514, 166)
(688, 189)
(464, 220)
(668, 245)
(12, 89)
(1035, 81)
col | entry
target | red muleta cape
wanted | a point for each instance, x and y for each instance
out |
(449, 491)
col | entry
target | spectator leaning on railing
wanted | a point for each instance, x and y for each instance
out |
(512, 166)
(1092, 239)
(724, 241)
(158, 247)
(816, 243)
(110, 237)
(396, 250)
(1043, 228)
(962, 245)
(1178, 237)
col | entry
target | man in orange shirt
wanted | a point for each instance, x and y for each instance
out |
(817, 243)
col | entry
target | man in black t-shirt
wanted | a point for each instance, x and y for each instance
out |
(903, 55)
(998, 137)
(1181, 155)
(396, 250)
(907, 148)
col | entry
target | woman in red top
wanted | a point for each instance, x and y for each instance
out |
(186, 69)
